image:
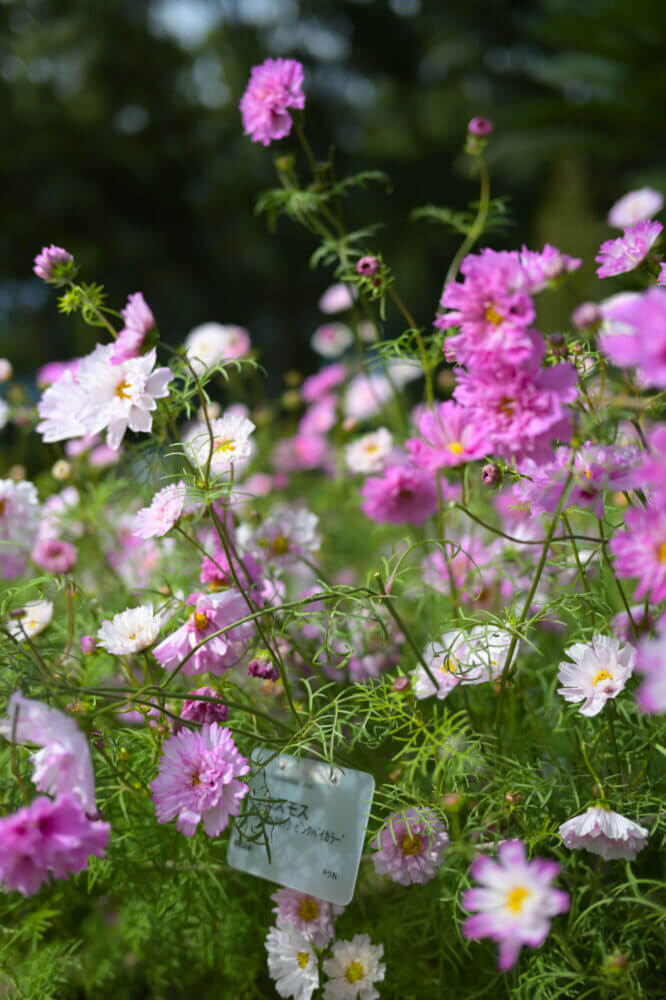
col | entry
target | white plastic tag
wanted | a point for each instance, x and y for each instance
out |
(314, 820)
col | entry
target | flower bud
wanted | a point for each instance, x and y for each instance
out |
(367, 266)
(491, 474)
(401, 684)
(54, 265)
(480, 127)
(452, 802)
(61, 470)
(586, 315)
(513, 798)
(17, 473)
(293, 378)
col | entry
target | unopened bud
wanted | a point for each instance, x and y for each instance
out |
(491, 474)
(17, 473)
(401, 684)
(291, 399)
(586, 315)
(453, 802)
(61, 470)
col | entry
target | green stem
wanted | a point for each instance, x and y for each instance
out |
(477, 225)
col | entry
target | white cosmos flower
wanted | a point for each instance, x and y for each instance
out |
(353, 969)
(291, 962)
(34, 619)
(367, 453)
(210, 343)
(284, 537)
(600, 671)
(461, 657)
(635, 206)
(129, 631)
(604, 832)
(231, 446)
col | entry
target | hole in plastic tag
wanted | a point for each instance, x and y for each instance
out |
(303, 825)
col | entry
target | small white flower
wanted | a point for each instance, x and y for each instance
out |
(600, 671)
(34, 619)
(331, 339)
(604, 832)
(403, 372)
(292, 962)
(231, 445)
(354, 968)
(367, 453)
(130, 631)
(635, 206)
(463, 658)
(210, 343)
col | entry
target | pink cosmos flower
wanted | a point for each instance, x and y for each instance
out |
(449, 439)
(653, 465)
(54, 265)
(542, 267)
(367, 266)
(337, 298)
(480, 126)
(198, 780)
(640, 551)
(312, 916)
(162, 513)
(641, 617)
(63, 766)
(516, 902)
(275, 86)
(627, 251)
(651, 663)
(54, 555)
(366, 395)
(211, 613)
(606, 833)
(521, 410)
(204, 712)
(401, 494)
(635, 206)
(636, 336)
(302, 452)
(600, 670)
(45, 838)
(139, 321)
(320, 417)
(316, 386)
(410, 846)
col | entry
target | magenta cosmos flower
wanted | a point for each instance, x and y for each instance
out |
(640, 551)
(139, 321)
(627, 251)
(163, 512)
(274, 87)
(211, 613)
(54, 555)
(636, 335)
(198, 780)
(480, 126)
(604, 832)
(651, 663)
(516, 902)
(401, 495)
(312, 916)
(542, 267)
(410, 847)
(47, 838)
(196, 710)
(448, 438)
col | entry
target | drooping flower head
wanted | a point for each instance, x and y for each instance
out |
(635, 206)
(311, 916)
(129, 631)
(410, 847)
(651, 663)
(198, 780)
(275, 86)
(605, 833)
(515, 903)
(54, 265)
(599, 671)
(197, 710)
(402, 494)
(47, 838)
(628, 251)
(353, 969)
(162, 513)
(292, 962)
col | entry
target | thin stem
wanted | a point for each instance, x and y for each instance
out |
(581, 570)
(419, 342)
(403, 628)
(477, 225)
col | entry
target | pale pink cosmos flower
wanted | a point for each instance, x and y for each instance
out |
(301, 452)
(30, 620)
(651, 663)
(337, 298)
(231, 446)
(320, 416)
(162, 513)
(210, 343)
(54, 555)
(353, 969)
(463, 657)
(130, 631)
(197, 639)
(46, 839)
(543, 267)
(330, 340)
(642, 619)
(410, 846)
(274, 87)
(204, 712)
(53, 371)
(628, 251)
(640, 551)
(139, 321)
(606, 833)
(447, 439)
(516, 902)
(365, 395)
(369, 452)
(402, 494)
(600, 670)
(198, 780)
(312, 916)
(286, 536)
(19, 525)
(634, 334)
(635, 206)
(316, 386)
(63, 765)
(472, 561)
(653, 464)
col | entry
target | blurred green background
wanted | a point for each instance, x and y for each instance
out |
(122, 141)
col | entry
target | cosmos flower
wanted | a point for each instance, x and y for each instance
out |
(311, 916)
(463, 657)
(635, 206)
(19, 524)
(54, 265)
(627, 251)
(316, 386)
(231, 445)
(337, 298)
(448, 438)
(410, 847)
(516, 902)
(599, 671)
(207, 652)
(402, 494)
(33, 618)
(634, 334)
(640, 551)
(368, 453)
(198, 781)
(130, 631)
(54, 555)
(292, 962)
(162, 513)
(353, 969)
(274, 87)
(651, 663)
(601, 831)
(330, 340)
(210, 343)
(139, 321)
(195, 710)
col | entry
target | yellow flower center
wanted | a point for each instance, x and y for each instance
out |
(493, 316)
(588, 474)
(195, 779)
(132, 635)
(200, 620)
(516, 898)
(354, 972)
(279, 545)
(410, 845)
(661, 552)
(456, 448)
(307, 909)
(302, 958)
(226, 445)
(448, 665)
(506, 406)
(121, 390)
(603, 675)
(3, 504)
(371, 448)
